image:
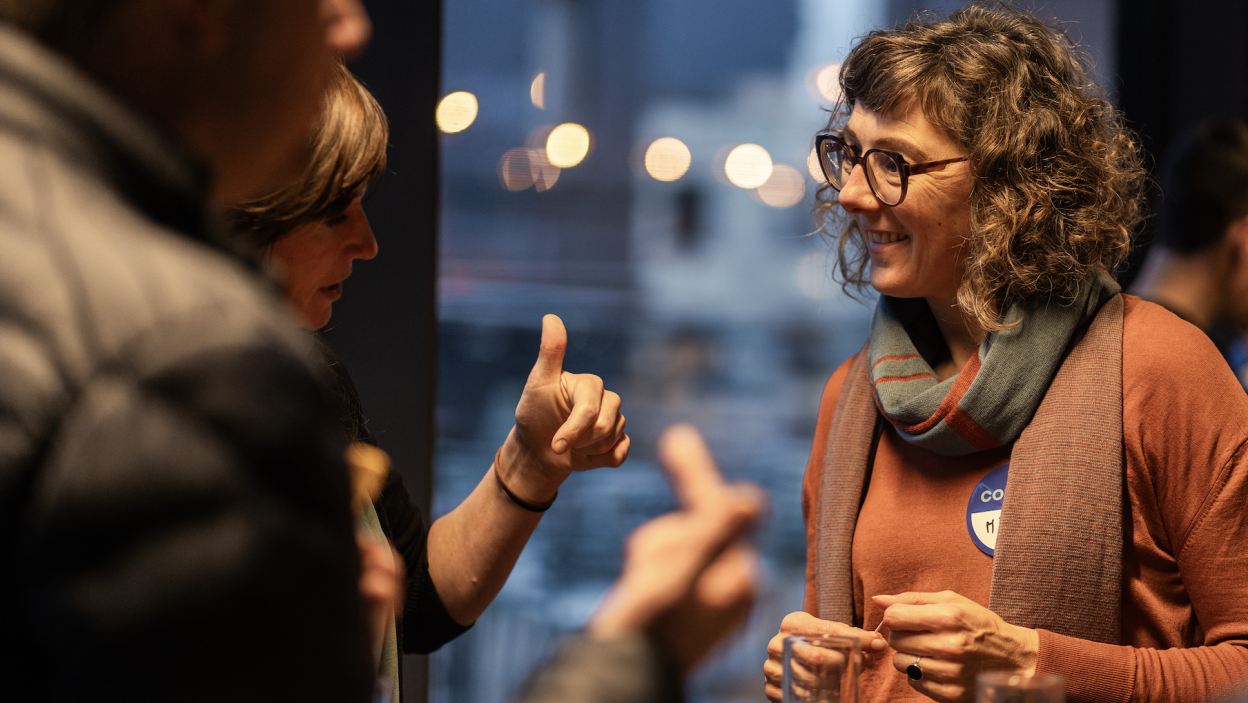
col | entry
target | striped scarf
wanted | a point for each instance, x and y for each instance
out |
(994, 397)
(1058, 556)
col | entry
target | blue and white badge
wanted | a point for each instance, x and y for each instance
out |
(983, 511)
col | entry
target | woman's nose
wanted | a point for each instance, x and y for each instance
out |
(361, 243)
(856, 195)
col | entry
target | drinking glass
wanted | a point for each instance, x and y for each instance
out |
(821, 669)
(1017, 687)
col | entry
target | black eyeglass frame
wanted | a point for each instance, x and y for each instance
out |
(904, 168)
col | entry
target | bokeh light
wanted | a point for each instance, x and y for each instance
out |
(567, 145)
(522, 167)
(537, 91)
(667, 159)
(823, 83)
(544, 173)
(813, 167)
(748, 166)
(785, 188)
(514, 170)
(457, 111)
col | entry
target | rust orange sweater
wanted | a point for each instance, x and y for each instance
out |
(1185, 558)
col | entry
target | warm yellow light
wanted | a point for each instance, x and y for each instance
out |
(823, 82)
(456, 111)
(785, 188)
(544, 173)
(748, 166)
(567, 145)
(667, 159)
(514, 169)
(537, 91)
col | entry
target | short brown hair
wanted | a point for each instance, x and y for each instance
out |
(1058, 178)
(346, 154)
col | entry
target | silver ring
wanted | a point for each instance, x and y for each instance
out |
(913, 671)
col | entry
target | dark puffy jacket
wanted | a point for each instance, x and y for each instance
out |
(174, 522)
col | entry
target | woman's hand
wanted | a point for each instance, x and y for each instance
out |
(955, 639)
(564, 422)
(802, 623)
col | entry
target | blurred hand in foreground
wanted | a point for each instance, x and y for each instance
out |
(382, 575)
(688, 576)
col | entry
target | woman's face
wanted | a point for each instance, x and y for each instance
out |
(915, 247)
(315, 259)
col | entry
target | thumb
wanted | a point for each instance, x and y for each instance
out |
(549, 364)
(689, 465)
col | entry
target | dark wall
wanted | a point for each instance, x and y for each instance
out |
(385, 326)
(1179, 61)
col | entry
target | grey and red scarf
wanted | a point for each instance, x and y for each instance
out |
(1053, 385)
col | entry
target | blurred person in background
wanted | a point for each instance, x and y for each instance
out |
(309, 232)
(1198, 267)
(174, 509)
(1023, 468)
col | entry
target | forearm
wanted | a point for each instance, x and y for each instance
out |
(1103, 672)
(473, 548)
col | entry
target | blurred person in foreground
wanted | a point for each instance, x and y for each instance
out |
(174, 509)
(1023, 468)
(309, 232)
(688, 580)
(1198, 267)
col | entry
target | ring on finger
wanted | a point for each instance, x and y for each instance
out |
(913, 671)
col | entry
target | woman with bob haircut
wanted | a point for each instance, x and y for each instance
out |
(309, 233)
(1023, 468)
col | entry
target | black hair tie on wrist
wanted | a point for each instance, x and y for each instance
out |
(531, 507)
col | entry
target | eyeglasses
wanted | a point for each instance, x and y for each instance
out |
(887, 172)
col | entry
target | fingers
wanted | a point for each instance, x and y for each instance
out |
(605, 431)
(549, 364)
(689, 464)
(586, 395)
(927, 612)
(729, 580)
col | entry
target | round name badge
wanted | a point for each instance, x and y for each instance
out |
(983, 510)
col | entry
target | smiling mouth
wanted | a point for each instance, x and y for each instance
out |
(885, 237)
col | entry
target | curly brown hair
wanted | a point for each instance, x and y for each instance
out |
(1058, 178)
(346, 154)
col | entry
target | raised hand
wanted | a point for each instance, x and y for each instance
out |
(688, 576)
(954, 638)
(803, 623)
(564, 422)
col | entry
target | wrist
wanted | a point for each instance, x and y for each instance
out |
(519, 469)
(1029, 653)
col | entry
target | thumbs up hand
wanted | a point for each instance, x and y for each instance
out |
(564, 422)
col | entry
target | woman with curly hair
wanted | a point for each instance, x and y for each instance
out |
(1023, 468)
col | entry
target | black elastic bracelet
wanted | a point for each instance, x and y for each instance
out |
(531, 507)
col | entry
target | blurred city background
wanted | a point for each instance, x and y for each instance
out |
(641, 169)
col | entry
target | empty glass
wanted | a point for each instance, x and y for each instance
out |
(1017, 687)
(821, 669)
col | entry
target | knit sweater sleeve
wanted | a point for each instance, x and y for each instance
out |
(1185, 602)
(814, 472)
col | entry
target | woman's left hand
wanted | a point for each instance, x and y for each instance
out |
(954, 640)
(564, 422)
